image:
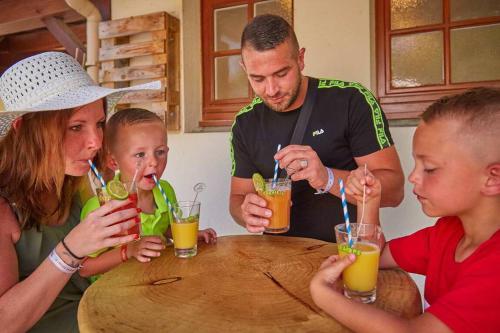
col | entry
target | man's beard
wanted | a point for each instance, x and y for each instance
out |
(294, 94)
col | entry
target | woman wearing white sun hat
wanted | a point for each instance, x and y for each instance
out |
(52, 124)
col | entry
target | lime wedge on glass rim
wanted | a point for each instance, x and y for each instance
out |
(117, 190)
(258, 182)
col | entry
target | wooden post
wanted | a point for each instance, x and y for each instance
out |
(66, 37)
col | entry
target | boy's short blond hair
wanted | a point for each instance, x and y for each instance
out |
(478, 108)
(127, 117)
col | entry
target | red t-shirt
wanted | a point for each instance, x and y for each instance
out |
(463, 295)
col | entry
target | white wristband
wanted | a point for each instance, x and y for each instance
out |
(60, 264)
(329, 183)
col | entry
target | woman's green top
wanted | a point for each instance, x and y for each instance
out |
(32, 249)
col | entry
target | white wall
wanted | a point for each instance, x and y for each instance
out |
(338, 42)
(338, 36)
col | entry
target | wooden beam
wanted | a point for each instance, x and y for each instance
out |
(132, 73)
(18, 16)
(66, 37)
(15, 10)
(132, 25)
(131, 50)
(173, 73)
(19, 46)
(38, 40)
(143, 97)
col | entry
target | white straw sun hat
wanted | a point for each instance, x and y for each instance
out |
(52, 81)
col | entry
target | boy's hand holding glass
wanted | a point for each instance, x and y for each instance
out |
(328, 277)
(145, 248)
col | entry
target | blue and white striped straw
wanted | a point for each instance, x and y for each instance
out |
(97, 174)
(164, 195)
(346, 213)
(276, 164)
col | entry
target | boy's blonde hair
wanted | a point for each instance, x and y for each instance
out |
(478, 109)
(127, 117)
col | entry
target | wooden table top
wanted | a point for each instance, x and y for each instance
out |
(243, 283)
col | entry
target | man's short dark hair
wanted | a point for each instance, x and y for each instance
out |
(478, 108)
(266, 32)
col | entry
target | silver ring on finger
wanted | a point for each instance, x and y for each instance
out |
(303, 164)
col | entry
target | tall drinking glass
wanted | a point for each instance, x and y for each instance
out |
(132, 196)
(104, 196)
(278, 196)
(185, 228)
(360, 278)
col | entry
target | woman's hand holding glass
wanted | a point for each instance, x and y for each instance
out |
(100, 229)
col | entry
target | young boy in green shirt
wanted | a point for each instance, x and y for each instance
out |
(137, 139)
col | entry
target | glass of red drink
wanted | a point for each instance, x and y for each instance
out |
(103, 194)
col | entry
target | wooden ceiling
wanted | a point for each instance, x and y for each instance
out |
(28, 27)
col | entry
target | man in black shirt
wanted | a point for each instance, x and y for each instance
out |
(347, 129)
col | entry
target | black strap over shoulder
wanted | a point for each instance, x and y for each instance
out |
(305, 114)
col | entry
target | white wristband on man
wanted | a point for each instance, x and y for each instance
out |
(329, 183)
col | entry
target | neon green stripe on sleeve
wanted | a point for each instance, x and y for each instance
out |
(378, 121)
(245, 109)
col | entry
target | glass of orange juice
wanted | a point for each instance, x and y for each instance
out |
(278, 196)
(185, 228)
(360, 278)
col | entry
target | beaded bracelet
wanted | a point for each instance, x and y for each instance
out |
(329, 184)
(123, 252)
(60, 264)
(69, 251)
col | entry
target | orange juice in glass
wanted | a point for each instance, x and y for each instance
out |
(360, 278)
(185, 228)
(278, 196)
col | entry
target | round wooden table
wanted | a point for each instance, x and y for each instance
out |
(243, 284)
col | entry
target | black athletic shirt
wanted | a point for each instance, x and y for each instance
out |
(346, 122)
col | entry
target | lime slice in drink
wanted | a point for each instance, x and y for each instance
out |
(258, 182)
(117, 190)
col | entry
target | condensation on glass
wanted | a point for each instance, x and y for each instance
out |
(417, 59)
(415, 13)
(229, 22)
(472, 9)
(474, 57)
(228, 25)
(230, 79)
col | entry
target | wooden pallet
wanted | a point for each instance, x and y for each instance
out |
(141, 49)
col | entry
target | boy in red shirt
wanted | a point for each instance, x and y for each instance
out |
(456, 148)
